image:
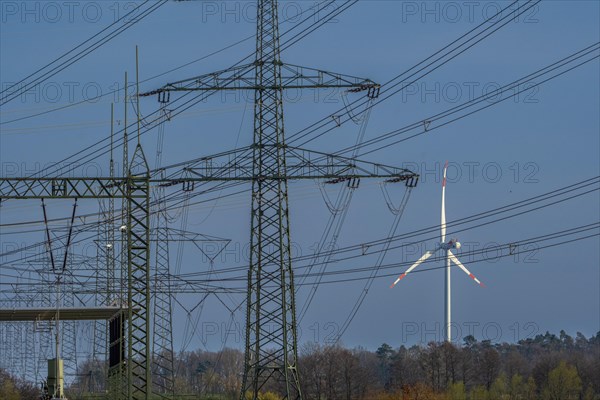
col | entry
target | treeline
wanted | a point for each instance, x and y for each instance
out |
(547, 367)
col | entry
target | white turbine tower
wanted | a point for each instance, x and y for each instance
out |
(450, 257)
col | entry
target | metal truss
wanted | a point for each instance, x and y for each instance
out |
(301, 163)
(243, 78)
(138, 272)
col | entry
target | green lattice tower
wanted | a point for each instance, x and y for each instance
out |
(100, 340)
(139, 384)
(162, 332)
(271, 339)
(271, 351)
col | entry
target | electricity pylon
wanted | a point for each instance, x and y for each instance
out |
(162, 345)
(271, 350)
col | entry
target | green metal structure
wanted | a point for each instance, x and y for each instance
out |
(271, 349)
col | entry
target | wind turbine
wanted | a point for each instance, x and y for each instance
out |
(450, 258)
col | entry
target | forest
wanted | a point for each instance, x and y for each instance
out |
(546, 367)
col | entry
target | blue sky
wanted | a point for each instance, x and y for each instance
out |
(545, 139)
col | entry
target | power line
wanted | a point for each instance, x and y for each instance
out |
(81, 54)
(157, 117)
(518, 246)
(218, 51)
(578, 188)
(520, 82)
(516, 87)
(515, 248)
(490, 23)
(554, 195)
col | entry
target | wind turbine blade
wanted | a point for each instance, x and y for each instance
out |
(443, 224)
(455, 261)
(415, 265)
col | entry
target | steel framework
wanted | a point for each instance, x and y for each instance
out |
(133, 373)
(162, 345)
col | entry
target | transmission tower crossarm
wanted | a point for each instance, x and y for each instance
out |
(64, 188)
(301, 164)
(243, 78)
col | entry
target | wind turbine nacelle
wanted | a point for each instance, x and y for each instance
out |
(452, 244)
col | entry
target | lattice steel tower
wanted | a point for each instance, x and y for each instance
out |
(271, 339)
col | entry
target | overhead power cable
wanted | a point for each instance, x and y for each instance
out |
(213, 53)
(424, 68)
(515, 88)
(71, 57)
(374, 247)
(547, 199)
(501, 250)
(94, 152)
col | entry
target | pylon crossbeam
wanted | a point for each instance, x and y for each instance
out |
(300, 164)
(242, 78)
(64, 188)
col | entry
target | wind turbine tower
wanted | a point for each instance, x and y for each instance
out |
(449, 259)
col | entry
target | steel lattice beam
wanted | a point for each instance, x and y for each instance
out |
(300, 164)
(244, 78)
(63, 188)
